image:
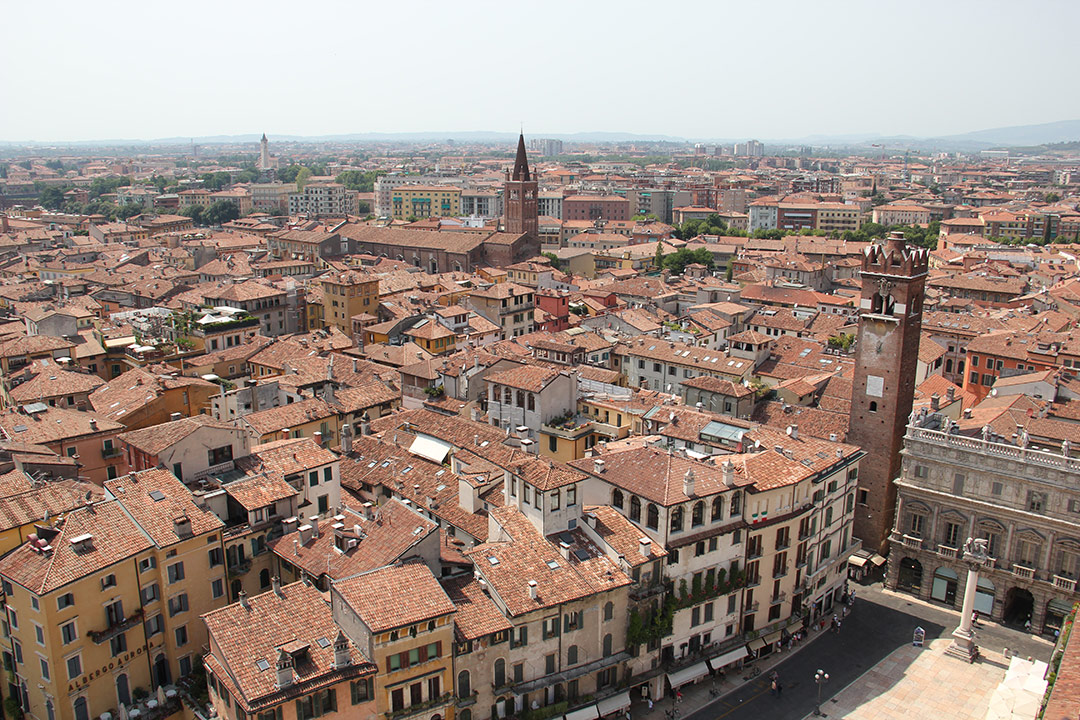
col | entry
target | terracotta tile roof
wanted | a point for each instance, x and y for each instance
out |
(156, 438)
(292, 415)
(138, 387)
(286, 457)
(49, 500)
(392, 535)
(718, 385)
(477, 614)
(156, 499)
(508, 565)
(297, 616)
(115, 538)
(525, 377)
(52, 382)
(259, 491)
(621, 535)
(816, 422)
(378, 600)
(53, 424)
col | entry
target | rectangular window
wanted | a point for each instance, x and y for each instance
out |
(176, 572)
(150, 594)
(44, 668)
(147, 563)
(118, 644)
(74, 667)
(217, 588)
(65, 601)
(68, 632)
(181, 636)
(216, 557)
(549, 664)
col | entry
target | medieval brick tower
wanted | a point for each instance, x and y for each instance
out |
(519, 197)
(890, 322)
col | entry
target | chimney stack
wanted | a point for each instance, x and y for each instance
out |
(276, 584)
(341, 650)
(314, 522)
(317, 437)
(727, 473)
(365, 424)
(950, 393)
(688, 483)
(645, 546)
(346, 439)
(284, 669)
(243, 600)
(935, 402)
(598, 466)
(532, 589)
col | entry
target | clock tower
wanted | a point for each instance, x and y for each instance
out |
(886, 356)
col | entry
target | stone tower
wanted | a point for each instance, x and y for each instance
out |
(890, 322)
(264, 153)
(519, 197)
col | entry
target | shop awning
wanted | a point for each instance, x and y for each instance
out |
(1061, 607)
(586, 713)
(856, 561)
(430, 448)
(613, 704)
(687, 674)
(756, 644)
(774, 637)
(877, 559)
(729, 657)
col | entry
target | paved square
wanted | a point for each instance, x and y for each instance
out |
(921, 681)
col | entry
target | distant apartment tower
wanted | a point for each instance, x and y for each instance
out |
(322, 199)
(750, 148)
(546, 146)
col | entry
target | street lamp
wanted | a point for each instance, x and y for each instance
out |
(820, 677)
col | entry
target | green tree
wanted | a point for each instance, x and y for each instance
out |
(359, 180)
(57, 165)
(103, 186)
(216, 181)
(129, 210)
(195, 212)
(647, 216)
(555, 262)
(302, 177)
(677, 261)
(1051, 197)
(658, 260)
(52, 196)
(729, 272)
(288, 174)
(220, 212)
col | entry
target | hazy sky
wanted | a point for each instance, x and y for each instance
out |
(712, 69)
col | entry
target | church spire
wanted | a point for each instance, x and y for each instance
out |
(521, 163)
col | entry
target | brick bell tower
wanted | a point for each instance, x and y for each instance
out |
(890, 323)
(520, 197)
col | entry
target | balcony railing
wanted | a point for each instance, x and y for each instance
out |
(111, 452)
(1065, 583)
(946, 551)
(780, 571)
(239, 568)
(100, 636)
(779, 597)
(1022, 571)
(752, 607)
(910, 541)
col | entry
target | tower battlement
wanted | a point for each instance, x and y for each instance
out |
(893, 257)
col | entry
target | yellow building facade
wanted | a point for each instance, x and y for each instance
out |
(423, 201)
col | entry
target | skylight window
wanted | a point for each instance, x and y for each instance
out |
(323, 642)
(553, 564)
(493, 560)
(262, 665)
(157, 495)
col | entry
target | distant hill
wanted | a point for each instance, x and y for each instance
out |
(1055, 132)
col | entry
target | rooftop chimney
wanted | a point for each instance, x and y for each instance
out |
(288, 525)
(182, 526)
(305, 533)
(935, 402)
(688, 483)
(532, 589)
(276, 584)
(365, 424)
(346, 439)
(645, 546)
(242, 597)
(950, 393)
(175, 416)
(967, 413)
(284, 669)
(314, 522)
(727, 473)
(341, 650)
(793, 431)
(317, 437)
(598, 466)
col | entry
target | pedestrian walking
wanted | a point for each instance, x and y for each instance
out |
(650, 703)
(832, 626)
(678, 696)
(772, 688)
(838, 623)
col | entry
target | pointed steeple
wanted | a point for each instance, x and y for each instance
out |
(263, 138)
(521, 163)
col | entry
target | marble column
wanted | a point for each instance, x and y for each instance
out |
(963, 644)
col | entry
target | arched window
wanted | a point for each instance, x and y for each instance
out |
(465, 714)
(697, 515)
(500, 673)
(264, 578)
(123, 691)
(873, 406)
(617, 498)
(81, 711)
(676, 518)
(653, 519)
(736, 503)
(607, 645)
(571, 655)
(464, 684)
(609, 610)
(635, 508)
(718, 508)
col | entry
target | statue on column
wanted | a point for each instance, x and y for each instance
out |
(963, 644)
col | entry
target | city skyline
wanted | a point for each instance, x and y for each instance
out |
(847, 70)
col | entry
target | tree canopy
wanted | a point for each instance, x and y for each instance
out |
(359, 180)
(677, 261)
